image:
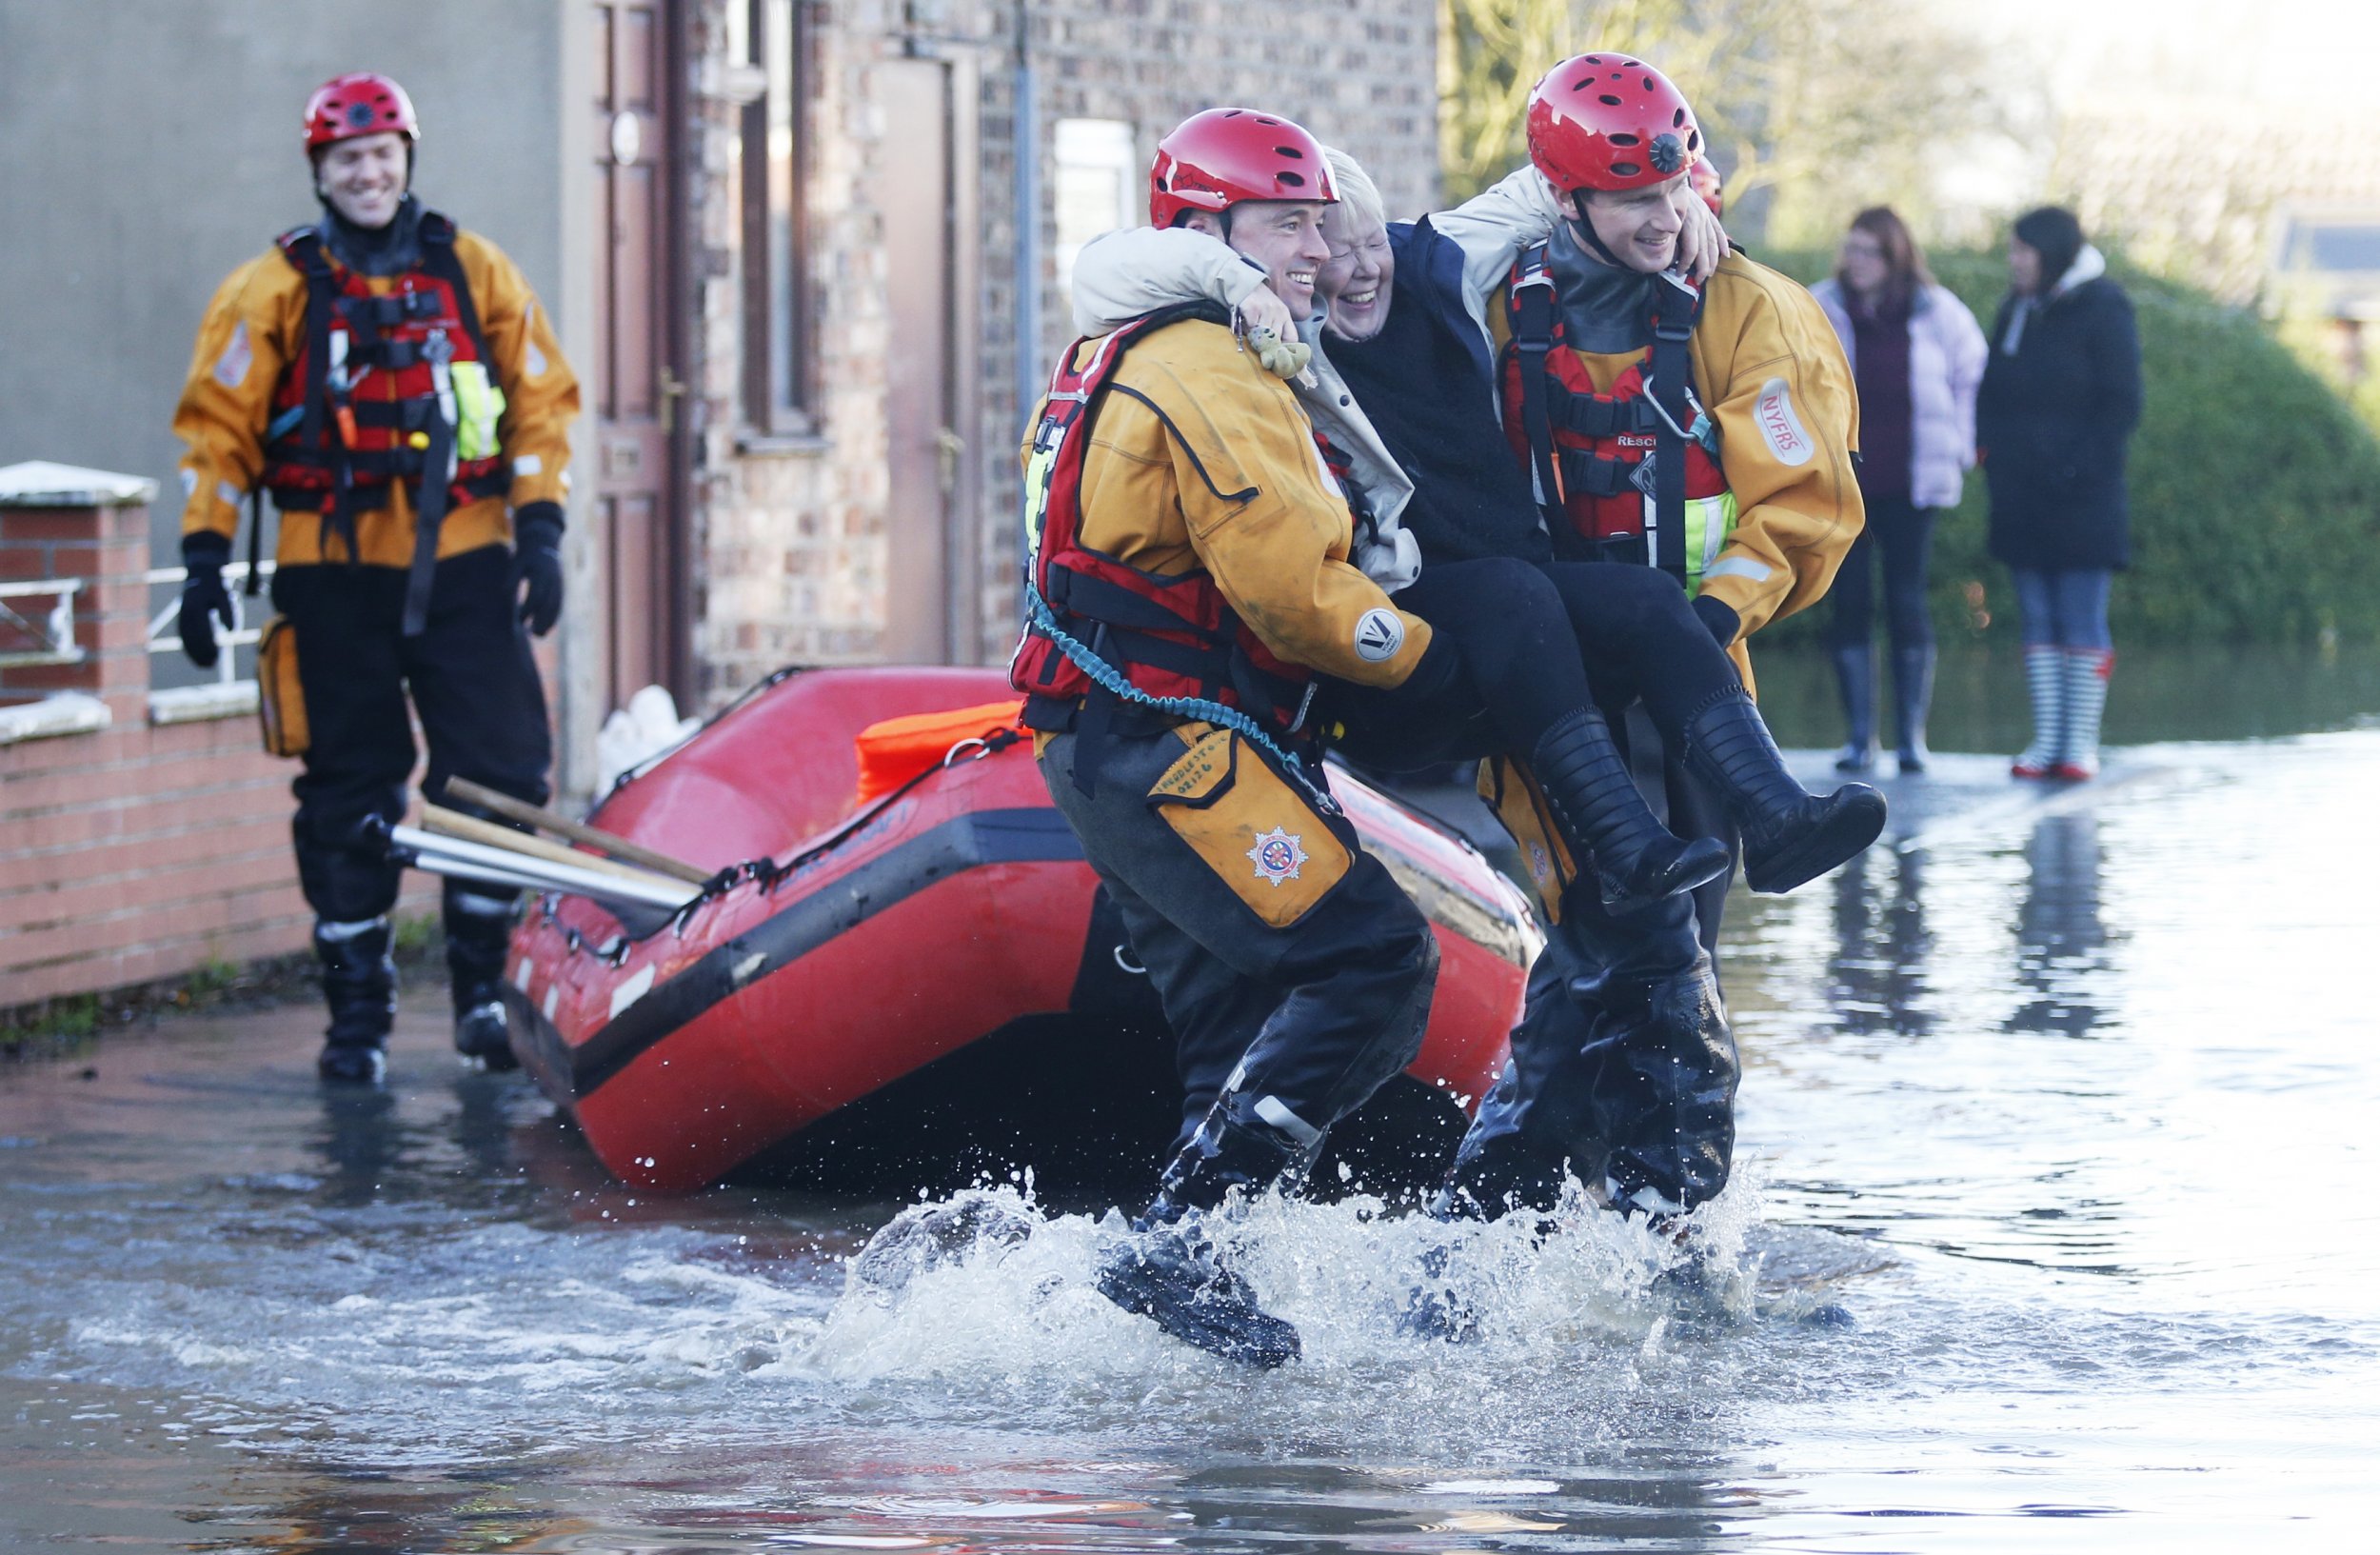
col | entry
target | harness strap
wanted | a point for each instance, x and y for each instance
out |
(1597, 475)
(1598, 416)
(1531, 293)
(439, 259)
(1096, 598)
(429, 514)
(1675, 307)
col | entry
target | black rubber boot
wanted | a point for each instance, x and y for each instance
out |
(1913, 693)
(1855, 675)
(1595, 800)
(1791, 836)
(478, 929)
(360, 984)
(1172, 1273)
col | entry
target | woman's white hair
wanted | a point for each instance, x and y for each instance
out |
(1355, 189)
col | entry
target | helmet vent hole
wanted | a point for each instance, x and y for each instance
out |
(1623, 140)
(1608, 99)
(1290, 151)
(1677, 120)
(1625, 169)
(1261, 119)
(1293, 180)
(1594, 59)
(1693, 140)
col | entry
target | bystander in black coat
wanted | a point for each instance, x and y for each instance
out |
(2060, 397)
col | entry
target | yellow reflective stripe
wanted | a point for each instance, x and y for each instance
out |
(1708, 522)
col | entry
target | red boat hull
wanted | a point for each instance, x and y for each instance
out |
(959, 911)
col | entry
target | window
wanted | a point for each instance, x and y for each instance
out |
(779, 396)
(1101, 186)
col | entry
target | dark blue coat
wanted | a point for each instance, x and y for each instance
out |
(2053, 421)
(1427, 385)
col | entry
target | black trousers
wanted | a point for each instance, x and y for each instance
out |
(471, 681)
(1625, 1069)
(1291, 968)
(1900, 535)
(1535, 642)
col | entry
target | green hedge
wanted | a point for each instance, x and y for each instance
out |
(2256, 487)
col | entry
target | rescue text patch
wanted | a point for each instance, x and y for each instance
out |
(1774, 411)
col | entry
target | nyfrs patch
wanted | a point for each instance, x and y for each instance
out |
(231, 366)
(1278, 854)
(1379, 635)
(1773, 412)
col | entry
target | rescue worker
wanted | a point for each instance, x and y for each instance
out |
(1410, 372)
(1189, 570)
(1625, 1069)
(391, 381)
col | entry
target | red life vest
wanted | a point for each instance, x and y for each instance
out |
(1629, 475)
(1096, 624)
(360, 407)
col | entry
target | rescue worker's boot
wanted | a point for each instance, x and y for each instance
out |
(1854, 676)
(1172, 1272)
(1913, 693)
(478, 929)
(2087, 672)
(1791, 835)
(2045, 679)
(1595, 800)
(360, 984)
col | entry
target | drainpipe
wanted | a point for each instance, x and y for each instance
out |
(1027, 143)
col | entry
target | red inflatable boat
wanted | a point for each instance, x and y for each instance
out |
(887, 992)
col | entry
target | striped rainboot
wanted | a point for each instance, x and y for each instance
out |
(2045, 677)
(2086, 671)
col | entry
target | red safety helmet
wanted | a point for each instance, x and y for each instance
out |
(1215, 159)
(1705, 180)
(366, 103)
(1610, 122)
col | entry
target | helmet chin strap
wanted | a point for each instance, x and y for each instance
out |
(1583, 230)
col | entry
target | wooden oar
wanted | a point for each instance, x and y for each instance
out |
(471, 829)
(618, 848)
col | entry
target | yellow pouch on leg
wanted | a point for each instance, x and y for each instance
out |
(280, 699)
(1520, 805)
(1244, 820)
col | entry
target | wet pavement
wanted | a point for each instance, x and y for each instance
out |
(2064, 1095)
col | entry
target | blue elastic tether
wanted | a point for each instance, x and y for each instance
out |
(1108, 678)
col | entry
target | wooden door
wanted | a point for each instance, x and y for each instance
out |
(924, 449)
(639, 501)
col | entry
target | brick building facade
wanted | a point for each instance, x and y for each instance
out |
(793, 536)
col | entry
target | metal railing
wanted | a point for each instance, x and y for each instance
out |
(54, 634)
(165, 635)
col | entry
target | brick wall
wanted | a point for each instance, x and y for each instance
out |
(137, 851)
(792, 544)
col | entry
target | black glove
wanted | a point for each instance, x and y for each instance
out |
(203, 554)
(1718, 618)
(537, 562)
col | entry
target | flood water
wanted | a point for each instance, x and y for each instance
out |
(2068, 1098)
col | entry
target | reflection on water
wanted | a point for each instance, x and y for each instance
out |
(2121, 1290)
(2060, 939)
(1874, 979)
